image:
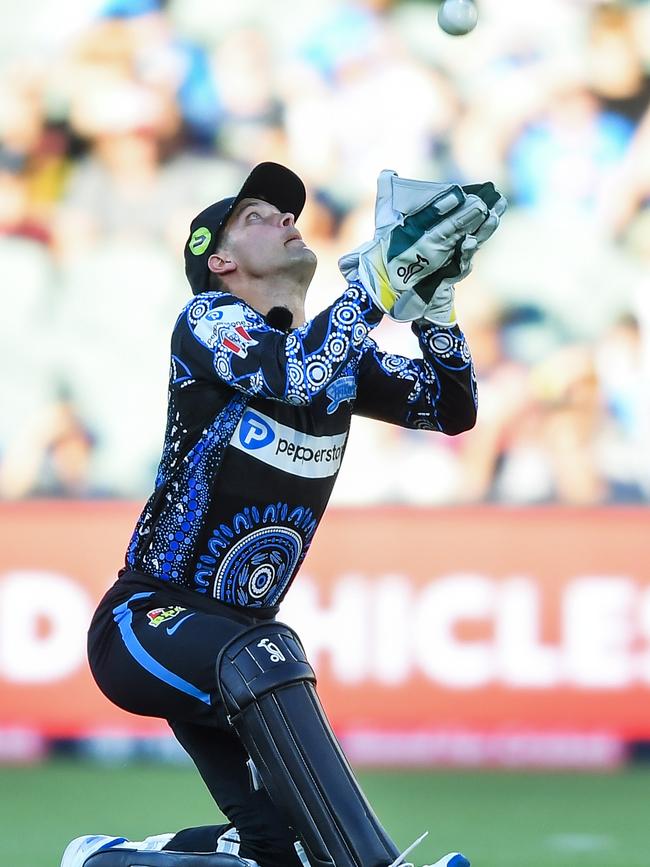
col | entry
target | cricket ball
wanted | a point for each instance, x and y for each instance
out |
(457, 17)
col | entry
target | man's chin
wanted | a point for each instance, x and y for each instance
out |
(298, 247)
(303, 260)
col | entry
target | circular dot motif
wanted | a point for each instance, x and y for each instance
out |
(345, 315)
(222, 367)
(393, 363)
(353, 291)
(260, 563)
(359, 332)
(198, 310)
(295, 374)
(442, 343)
(261, 580)
(317, 372)
(336, 348)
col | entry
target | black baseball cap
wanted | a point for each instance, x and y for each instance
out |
(269, 181)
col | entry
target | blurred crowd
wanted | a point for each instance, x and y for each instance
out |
(119, 123)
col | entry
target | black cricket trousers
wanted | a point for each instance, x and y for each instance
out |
(153, 652)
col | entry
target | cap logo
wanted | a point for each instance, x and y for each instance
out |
(200, 240)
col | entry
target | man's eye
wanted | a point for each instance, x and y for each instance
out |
(254, 214)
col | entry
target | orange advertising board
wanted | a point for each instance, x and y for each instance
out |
(482, 621)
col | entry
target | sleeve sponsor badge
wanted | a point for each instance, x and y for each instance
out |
(226, 328)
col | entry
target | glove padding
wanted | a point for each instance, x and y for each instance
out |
(396, 199)
(440, 310)
(420, 230)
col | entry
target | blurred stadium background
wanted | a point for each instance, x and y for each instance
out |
(517, 637)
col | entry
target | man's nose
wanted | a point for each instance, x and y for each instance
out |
(287, 219)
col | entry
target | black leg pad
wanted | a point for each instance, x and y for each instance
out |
(268, 688)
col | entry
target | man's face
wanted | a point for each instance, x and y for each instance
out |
(264, 242)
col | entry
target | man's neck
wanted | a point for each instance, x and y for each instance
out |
(263, 296)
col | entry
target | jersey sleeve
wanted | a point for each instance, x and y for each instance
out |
(220, 337)
(435, 392)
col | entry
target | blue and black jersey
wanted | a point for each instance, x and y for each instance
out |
(256, 431)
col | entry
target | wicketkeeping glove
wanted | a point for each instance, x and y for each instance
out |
(420, 230)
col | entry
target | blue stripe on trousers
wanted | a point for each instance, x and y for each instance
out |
(123, 616)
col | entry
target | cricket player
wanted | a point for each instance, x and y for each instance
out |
(260, 403)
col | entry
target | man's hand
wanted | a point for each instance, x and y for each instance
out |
(399, 270)
(426, 234)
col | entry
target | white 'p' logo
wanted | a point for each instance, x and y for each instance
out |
(254, 432)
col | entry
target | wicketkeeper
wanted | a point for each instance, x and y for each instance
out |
(260, 403)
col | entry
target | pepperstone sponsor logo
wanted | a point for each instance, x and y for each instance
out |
(255, 431)
(287, 449)
(162, 615)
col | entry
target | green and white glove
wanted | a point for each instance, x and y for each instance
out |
(420, 229)
(397, 198)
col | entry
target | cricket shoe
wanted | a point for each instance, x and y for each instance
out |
(102, 851)
(454, 859)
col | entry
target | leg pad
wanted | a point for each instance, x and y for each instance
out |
(268, 688)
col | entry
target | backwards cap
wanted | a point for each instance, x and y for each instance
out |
(269, 181)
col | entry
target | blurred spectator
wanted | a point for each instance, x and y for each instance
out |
(561, 158)
(251, 112)
(135, 38)
(614, 62)
(32, 155)
(571, 415)
(53, 458)
(505, 404)
(17, 217)
(619, 366)
(119, 188)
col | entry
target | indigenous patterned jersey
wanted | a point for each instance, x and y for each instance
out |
(257, 425)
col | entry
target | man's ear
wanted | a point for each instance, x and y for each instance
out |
(220, 264)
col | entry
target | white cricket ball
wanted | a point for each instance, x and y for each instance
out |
(457, 17)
